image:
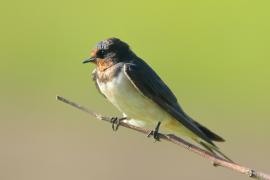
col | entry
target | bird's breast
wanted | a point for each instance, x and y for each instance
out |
(126, 97)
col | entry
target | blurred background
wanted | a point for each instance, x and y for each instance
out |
(214, 55)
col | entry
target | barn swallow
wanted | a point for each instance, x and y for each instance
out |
(136, 90)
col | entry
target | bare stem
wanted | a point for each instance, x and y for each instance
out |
(217, 161)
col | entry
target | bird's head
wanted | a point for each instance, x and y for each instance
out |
(109, 52)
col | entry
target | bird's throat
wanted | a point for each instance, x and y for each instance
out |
(103, 64)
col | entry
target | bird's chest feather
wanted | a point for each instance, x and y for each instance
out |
(122, 94)
(119, 91)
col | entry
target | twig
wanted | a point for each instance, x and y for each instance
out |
(217, 161)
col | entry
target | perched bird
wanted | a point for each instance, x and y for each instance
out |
(135, 89)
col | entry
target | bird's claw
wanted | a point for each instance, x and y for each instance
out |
(155, 133)
(116, 122)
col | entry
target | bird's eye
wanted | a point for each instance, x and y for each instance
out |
(101, 53)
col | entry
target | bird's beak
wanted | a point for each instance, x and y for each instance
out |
(91, 59)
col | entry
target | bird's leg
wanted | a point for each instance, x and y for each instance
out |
(155, 132)
(116, 122)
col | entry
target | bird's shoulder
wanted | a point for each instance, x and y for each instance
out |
(147, 81)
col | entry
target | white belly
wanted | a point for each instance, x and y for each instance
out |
(139, 109)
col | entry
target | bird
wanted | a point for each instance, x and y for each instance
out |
(143, 98)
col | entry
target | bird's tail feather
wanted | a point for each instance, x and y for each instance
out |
(211, 135)
(214, 150)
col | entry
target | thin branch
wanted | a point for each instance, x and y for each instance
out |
(217, 161)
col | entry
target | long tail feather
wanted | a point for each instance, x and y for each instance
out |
(214, 150)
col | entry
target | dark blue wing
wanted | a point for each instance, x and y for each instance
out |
(149, 83)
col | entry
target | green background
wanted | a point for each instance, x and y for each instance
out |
(214, 55)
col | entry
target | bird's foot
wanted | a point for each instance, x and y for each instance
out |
(116, 122)
(155, 132)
